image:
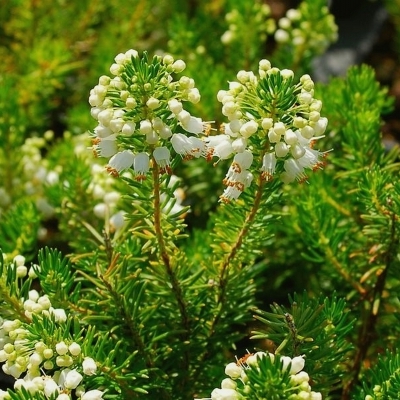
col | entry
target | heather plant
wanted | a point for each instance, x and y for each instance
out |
(209, 222)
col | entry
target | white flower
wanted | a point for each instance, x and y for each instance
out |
(72, 379)
(297, 365)
(290, 137)
(310, 159)
(193, 125)
(100, 210)
(228, 383)
(273, 136)
(74, 348)
(248, 128)
(141, 165)
(224, 394)
(35, 359)
(268, 166)
(153, 103)
(89, 366)
(178, 66)
(19, 260)
(102, 131)
(293, 170)
(22, 271)
(165, 132)
(120, 161)
(59, 315)
(151, 137)
(287, 73)
(61, 348)
(281, 36)
(107, 146)
(320, 126)
(93, 395)
(244, 159)
(162, 156)
(194, 95)
(233, 370)
(175, 106)
(117, 220)
(50, 387)
(188, 147)
(145, 127)
(63, 396)
(239, 145)
(128, 128)
(220, 146)
(315, 396)
(281, 149)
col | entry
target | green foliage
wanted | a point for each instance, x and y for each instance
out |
(150, 270)
(311, 327)
(19, 229)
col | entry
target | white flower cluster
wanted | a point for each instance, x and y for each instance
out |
(34, 175)
(262, 23)
(138, 110)
(22, 271)
(295, 28)
(55, 369)
(238, 384)
(282, 134)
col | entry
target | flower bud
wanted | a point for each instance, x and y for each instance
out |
(233, 370)
(93, 395)
(89, 366)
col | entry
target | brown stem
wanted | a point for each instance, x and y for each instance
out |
(367, 329)
(176, 288)
(223, 280)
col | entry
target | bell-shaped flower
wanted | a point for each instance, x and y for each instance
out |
(106, 147)
(268, 166)
(162, 157)
(193, 125)
(119, 162)
(72, 379)
(294, 171)
(141, 166)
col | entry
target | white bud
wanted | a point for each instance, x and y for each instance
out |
(290, 137)
(93, 395)
(267, 123)
(50, 387)
(153, 103)
(89, 366)
(145, 127)
(73, 379)
(74, 348)
(19, 260)
(22, 271)
(175, 106)
(233, 370)
(61, 348)
(281, 149)
(178, 66)
(248, 128)
(224, 394)
(264, 65)
(59, 314)
(35, 359)
(287, 73)
(228, 383)
(297, 365)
